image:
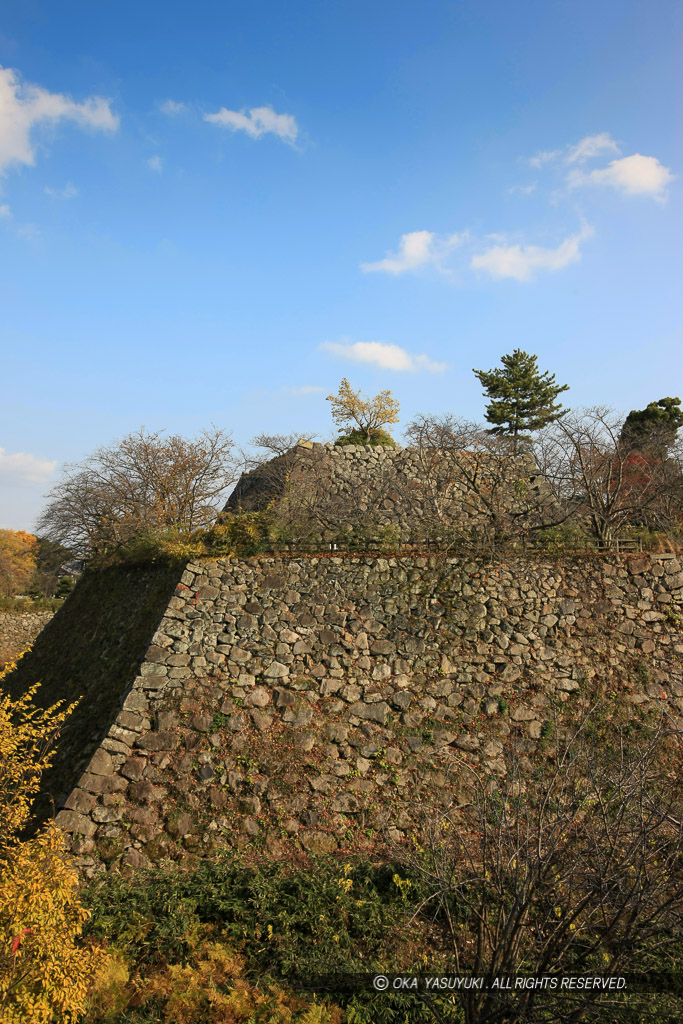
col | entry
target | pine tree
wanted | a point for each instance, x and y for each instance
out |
(654, 428)
(522, 399)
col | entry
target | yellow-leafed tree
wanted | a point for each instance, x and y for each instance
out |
(18, 550)
(365, 418)
(44, 973)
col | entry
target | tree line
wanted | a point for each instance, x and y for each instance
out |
(601, 473)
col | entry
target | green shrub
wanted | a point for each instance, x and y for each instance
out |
(21, 606)
(378, 439)
(566, 537)
(283, 924)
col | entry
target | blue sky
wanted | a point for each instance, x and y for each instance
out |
(210, 213)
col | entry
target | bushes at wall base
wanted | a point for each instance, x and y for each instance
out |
(210, 986)
(45, 972)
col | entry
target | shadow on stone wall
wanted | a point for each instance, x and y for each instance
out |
(92, 649)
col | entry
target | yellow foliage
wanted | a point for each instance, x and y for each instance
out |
(44, 974)
(108, 998)
(26, 735)
(18, 550)
(349, 408)
(209, 989)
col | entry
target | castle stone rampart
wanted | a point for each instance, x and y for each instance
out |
(321, 701)
(19, 630)
(400, 487)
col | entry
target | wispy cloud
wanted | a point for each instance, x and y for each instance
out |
(68, 192)
(171, 108)
(23, 107)
(384, 355)
(590, 146)
(30, 232)
(256, 122)
(304, 389)
(586, 148)
(544, 157)
(635, 175)
(416, 249)
(523, 190)
(5, 210)
(24, 467)
(155, 163)
(521, 262)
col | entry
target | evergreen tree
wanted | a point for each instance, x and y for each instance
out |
(654, 428)
(522, 399)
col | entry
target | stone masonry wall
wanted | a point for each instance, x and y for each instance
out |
(393, 486)
(18, 631)
(317, 703)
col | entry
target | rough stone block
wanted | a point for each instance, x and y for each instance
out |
(258, 697)
(261, 720)
(80, 801)
(105, 815)
(371, 712)
(102, 783)
(155, 682)
(145, 792)
(467, 742)
(202, 723)
(522, 714)
(133, 768)
(318, 843)
(71, 821)
(134, 859)
(101, 763)
(132, 720)
(165, 740)
(276, 670)
(304, 740)
(345, 803)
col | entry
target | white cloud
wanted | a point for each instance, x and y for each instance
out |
(632, 175)
(544, 157)
(24, 106)
(523, 190)
(30, 232)
(416, 249)
(68, 192)
(172, 109)
(5, 210)
(257, 122)
(590, 146)
(25, 467)
(520, 262)
(384, 355)
(155, 163)
(305, 389)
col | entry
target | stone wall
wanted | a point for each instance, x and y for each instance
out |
(398, 487)
(89, 653)
(17, 631)
(318, 703)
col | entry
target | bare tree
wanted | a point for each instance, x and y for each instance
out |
(472, 488)
(576, 869)
(598, 472)
(326, 497)
(145, 482)
(271, 445)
